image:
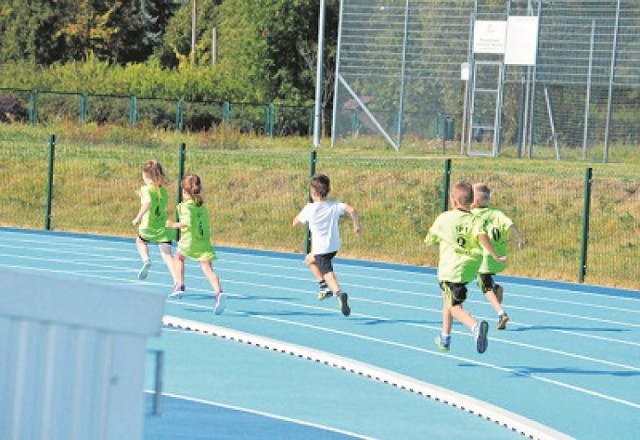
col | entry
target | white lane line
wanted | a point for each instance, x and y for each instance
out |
(262, 414)
(463, 402)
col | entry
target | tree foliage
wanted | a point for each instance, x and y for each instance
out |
(266, 49)
(43, 32)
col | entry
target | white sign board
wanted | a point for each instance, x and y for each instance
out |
(489, 36)
(522, 41)
(465, 73)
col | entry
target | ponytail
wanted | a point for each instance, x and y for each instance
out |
(191, 185)
(153, 170)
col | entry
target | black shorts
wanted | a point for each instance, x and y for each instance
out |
(323, 261)
(485, 282)
(154, 242)
(455, 293)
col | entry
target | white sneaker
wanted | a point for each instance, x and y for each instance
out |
(144, 271)
(221, 300)
(178, 290)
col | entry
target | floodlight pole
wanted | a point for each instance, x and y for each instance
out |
(317, 113)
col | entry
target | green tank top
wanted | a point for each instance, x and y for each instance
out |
(153, 225)
(195, 237)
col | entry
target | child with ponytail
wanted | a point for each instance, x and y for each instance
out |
(195, 239)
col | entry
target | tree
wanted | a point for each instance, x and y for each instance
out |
(26, 29)
(46, 31)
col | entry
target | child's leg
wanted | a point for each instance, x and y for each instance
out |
(315, 270)
(493, 293)
(167, 257)
(143, 250)
(460, 314)
(178, 269)
(444, 340)
(325, 290)
(447, 317)
(493, 300)
(178, 273)
(332, 281)
(324, 264)
(212, 276)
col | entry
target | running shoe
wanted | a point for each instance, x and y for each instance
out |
(221, 300)
(343, 302)
(502, 321)
(144, 271)
(178, 291)
(442, 344)
(324, 293)
(480, 335)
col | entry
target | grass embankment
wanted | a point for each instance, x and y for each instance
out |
(254, 186)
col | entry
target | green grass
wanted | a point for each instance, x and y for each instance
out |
(254, 186)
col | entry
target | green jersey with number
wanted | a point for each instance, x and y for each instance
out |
(497, 225)
(195, 237)
(457, 233)
(153, 224)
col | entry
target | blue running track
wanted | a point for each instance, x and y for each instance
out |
(281, 364)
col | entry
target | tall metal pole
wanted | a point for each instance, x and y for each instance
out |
(612, 75)
(403, 73)
(312, 172)
(587, 100)
(337, 78)
(317, 114)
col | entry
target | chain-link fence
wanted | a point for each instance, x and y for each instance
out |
(269, 119)
(401, 65)
(254, 195)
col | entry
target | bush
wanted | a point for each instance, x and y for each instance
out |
(11, 109)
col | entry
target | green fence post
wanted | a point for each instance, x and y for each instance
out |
(133, 110)
(446, 181)
(180, 115)
(270, 112)
(585, 224)
(312, 171)
(84, 111)
(438, 126)
(33, 107)
(355, 121)
(226, 112)
(182, 155)
(47, 209)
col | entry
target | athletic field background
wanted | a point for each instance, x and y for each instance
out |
(255, 186)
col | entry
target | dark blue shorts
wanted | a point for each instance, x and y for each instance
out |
(324, 263)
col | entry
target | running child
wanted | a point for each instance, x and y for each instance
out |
(461, 237)
(195, 240)
(498, 225)
(322, 216)
(152, 218)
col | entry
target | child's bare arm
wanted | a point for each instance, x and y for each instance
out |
(175, 225)
(357, 227)
(486, 243)
(143, 209)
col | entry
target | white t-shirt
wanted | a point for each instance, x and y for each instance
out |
(322, 218)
